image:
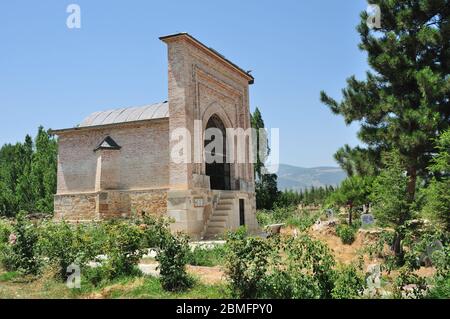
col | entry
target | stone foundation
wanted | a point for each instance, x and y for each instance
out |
(110, 204)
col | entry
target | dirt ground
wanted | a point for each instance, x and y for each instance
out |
(349, 254)
(208, 275)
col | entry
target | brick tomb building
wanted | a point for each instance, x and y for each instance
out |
(119, 162)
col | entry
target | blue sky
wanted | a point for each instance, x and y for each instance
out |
(54, 76)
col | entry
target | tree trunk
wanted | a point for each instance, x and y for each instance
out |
(412, 174)
(350, 215)
(397, 247)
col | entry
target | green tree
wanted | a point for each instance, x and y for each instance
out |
(28, 175)
(390, 202)
(24, 188)
(266, 184)
(257, 123)
(357, 161)
(266, 191)
(353, 192)
(404, 102)
(43, 171)
(437, 194)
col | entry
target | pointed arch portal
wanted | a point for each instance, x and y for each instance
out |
(217, 170)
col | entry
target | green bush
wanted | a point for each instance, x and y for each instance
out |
(279, 267)
(22, 254)
(300, 268)
(440, 288)
(5, 230)
(65, 244)
(408, 285)
(349, 283)
(346, 233)
(172, 258)
(264, 217)
(207, 256)
(123, 248)
(309, 256)
(155, 231)
(246, 262)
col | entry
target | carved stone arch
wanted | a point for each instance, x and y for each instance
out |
(216, 109)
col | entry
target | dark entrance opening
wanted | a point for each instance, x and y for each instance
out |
(219, 170)
(241, 212)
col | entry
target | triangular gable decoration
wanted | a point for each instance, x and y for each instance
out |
(108, 144)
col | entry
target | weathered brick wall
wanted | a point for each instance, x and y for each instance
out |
(142, 162)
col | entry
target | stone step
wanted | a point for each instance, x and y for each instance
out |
(219, 218)
(221, 203)
(216, 223)
(215, 230)
(226, 201)
(222, 208)
(226, 197)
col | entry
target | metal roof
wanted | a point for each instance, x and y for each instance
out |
(130, 114)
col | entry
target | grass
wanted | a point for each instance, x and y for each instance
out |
(15, 286)
(300, 219)
(8, 276)
(150, 288)
(209, 257)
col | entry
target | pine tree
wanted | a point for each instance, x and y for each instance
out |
(404, 102)
(390, 201)
(437, 194)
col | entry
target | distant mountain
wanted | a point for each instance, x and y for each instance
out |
(298, 178)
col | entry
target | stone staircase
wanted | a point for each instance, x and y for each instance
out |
(217, 223)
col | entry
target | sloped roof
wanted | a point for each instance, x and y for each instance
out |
(130, 114)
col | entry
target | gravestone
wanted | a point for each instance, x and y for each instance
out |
(427, 257)
(330, 214)
(367, 219)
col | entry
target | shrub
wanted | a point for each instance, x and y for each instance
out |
(308, 256)
(264, 217)
(302, 220)
(66, 244)
(283, 284)
(172, 253)
(409, 285)
(123, 248)
(440, 288)
(346, 233)
(5, 230)
(155, 231)
(246, 262)
(279, 267)
(21, 254)
(172, 259)
(349, 283)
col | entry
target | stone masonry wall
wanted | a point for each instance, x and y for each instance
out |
(110, 204)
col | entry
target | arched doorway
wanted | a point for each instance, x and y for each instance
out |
(217, 167)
